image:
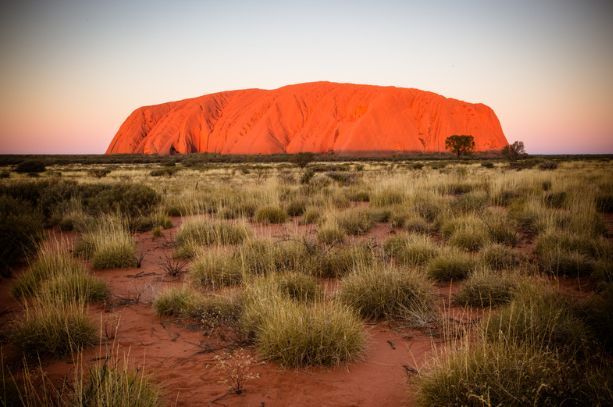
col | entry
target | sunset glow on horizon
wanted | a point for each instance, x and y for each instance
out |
(72, 71)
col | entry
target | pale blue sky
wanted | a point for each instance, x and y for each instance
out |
(71, 71)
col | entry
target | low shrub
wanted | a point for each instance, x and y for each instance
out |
(485, 289)
(487, 164)
(215, 269)
(604, 203)
(20, 231)
(383, 292)
(410, 250)
(450, 266)
(166, 171)
(30, 167)
(270, 215)
(99, 172)
(548, 165)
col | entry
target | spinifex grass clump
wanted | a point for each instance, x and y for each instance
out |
(56, 273)
(52, 327)
(355, 221)
(179, 302)
(194, 234)
(451, 265)
(499, 257)
(271, 214)
(295, 333)
(331, 234)
(541, 319)
(410, 250)
(381, 291)
(110, 245)
(319, 334)
(215, 269)
(336, 262)
(299, 287)
(485, 289)
(266, 256)
(500, 374)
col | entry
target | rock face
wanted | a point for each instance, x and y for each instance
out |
(311, 117)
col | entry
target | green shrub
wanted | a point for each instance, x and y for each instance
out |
(20, 231)
(30, 167)
(53, 328)
(330, 234)
(301, 335)
(271, 214)
(410, 250)
(129, 199)
(499, 257)
(215, 269)
(450, 266)
(485, 289)
(384, 292)
(355, 221)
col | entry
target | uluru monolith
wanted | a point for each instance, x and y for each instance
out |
(315, 117)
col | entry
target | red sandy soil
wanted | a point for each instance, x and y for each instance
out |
(316, 117)
(180, 357)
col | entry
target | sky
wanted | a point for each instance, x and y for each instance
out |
(72, 71)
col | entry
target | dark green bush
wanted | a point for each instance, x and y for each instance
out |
(604, 203)
(30, 167)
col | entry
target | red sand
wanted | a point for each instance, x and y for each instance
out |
(311, 117)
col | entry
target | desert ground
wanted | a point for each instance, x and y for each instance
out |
(379, 283)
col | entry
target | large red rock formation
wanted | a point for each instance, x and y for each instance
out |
(314, 117)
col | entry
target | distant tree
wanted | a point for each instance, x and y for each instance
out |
(513, 151)
(460, 145)
(303, 159)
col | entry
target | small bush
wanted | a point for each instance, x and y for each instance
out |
(321, 334)
(99, 172)
(20, 231)
(487, 164)
(410, 250)
(499, 257)
(271, 214)
(355, 221)
(30, 167)
(167, 171)
(485, 289)
(384, 292)
(548, 165)
(53, 328)
(450, 266)
(331, 235)
(215, 269)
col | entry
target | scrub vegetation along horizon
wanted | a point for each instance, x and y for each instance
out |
(186, 281)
